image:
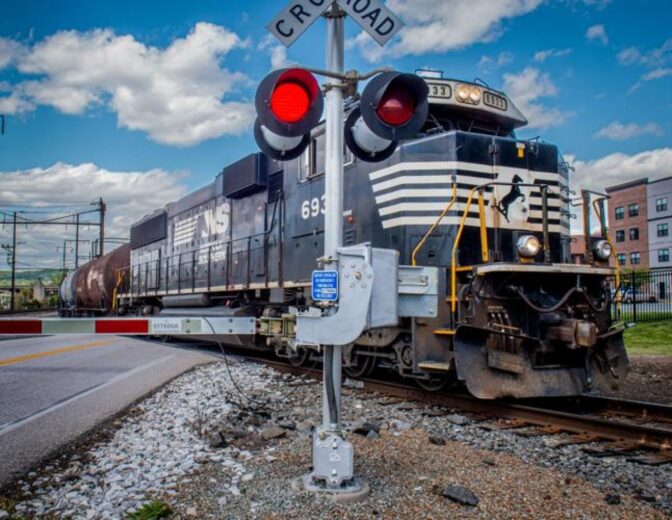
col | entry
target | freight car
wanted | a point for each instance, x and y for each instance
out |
(465, 194)
(91, 289)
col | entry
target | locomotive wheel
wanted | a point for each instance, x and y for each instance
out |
(298, 357)
(432, 385)
(361, 366)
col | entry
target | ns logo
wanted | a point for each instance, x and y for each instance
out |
(202, 226)
(214, 221)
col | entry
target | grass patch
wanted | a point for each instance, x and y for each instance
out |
(152, 511)
(649, 338)
(7, 505)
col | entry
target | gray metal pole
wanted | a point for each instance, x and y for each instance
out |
(12, 301)
(333, 218)
(77, 242)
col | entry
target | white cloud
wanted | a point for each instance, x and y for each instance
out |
(620, 132)
(542, 56)
(597, 33)
(277, 53)
(526, 89)
(15, 104)
(128, 196)
(176, 95)
(490, 63)
(9, 52)
(600, 4)
(618, 168)
(436, 27)
(653, 75)
(653, 58)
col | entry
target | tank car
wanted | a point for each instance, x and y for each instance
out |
(490, 210)
(91, 290)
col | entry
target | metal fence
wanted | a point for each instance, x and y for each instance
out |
(644, 296)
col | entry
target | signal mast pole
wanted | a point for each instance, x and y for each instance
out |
(333, 218)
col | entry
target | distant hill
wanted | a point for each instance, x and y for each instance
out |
(28, 278)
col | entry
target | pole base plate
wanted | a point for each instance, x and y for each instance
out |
(355, 490)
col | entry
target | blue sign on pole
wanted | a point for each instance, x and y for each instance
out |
(325, 286)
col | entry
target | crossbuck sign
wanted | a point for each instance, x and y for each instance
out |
(372, 15)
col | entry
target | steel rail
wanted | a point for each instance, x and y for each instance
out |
(534, 412)
(623, 432)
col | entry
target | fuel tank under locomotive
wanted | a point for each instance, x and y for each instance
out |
(90, 289)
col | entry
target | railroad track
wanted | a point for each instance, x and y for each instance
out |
(641, 431)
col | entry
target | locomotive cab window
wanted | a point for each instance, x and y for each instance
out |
(311, 163)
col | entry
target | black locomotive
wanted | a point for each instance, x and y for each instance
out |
(492, 211)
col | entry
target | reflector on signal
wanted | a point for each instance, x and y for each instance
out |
(278, 147)
(363, 143)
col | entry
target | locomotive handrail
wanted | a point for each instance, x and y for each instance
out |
(485, 254)
(228, 245)
(598, 207)
(435, 225)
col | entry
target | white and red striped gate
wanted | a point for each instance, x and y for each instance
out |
(128, 326)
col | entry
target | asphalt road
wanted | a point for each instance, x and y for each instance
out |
(55, 388)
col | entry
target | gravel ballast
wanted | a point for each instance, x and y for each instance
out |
(211, 453)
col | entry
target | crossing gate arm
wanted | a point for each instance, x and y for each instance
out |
(128, 326)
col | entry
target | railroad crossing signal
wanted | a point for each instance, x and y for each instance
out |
(289, 105)
(394, 106)
(372, 15)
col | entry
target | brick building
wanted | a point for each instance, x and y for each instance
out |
(628, 223)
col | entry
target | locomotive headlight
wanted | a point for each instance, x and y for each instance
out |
(474, 94)
(602, 249)
(528, 246)
(463, 93)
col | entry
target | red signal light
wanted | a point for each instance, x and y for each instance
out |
(290, 102)
(396, 107)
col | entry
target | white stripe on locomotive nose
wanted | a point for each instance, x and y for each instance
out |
(444, 193)
(438, 207)
(452, 221)
(458, 165)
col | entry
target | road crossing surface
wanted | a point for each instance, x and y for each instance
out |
(55, 388)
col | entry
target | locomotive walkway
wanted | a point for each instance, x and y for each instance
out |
(53, 389)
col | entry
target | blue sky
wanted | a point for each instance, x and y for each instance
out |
(131, 94)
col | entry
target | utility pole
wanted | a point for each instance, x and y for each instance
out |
(13, 297)
(103, 208)
(77, 241)
(65, 272)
